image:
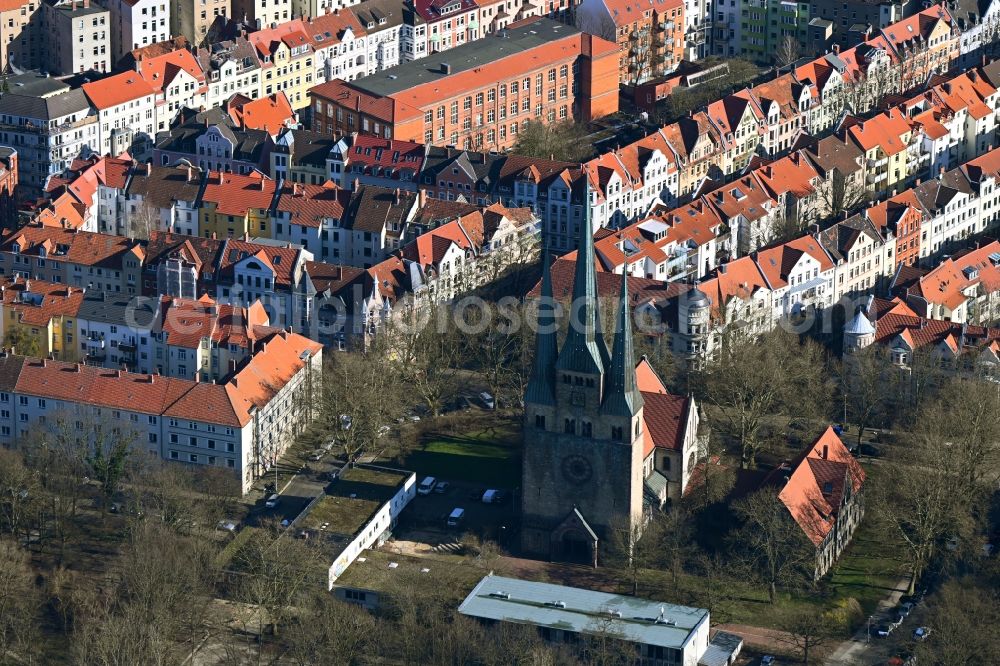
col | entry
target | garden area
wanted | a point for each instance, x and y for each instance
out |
(478, 447)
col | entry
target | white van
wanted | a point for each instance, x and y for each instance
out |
(426, 486)
(455, 519)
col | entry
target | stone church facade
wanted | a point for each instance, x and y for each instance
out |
(587, 452)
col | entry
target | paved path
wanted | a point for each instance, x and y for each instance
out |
(769, 640)
(851, 651)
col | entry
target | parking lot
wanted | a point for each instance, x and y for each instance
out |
(425, 519)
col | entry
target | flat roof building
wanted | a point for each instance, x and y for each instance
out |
(479, 95)
(663, 633)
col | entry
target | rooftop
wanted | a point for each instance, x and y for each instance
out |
(466, 57)
(353, 499)
(582, 611)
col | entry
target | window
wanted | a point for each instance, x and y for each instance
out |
(540, 421)
(617, 433)
(569, 427)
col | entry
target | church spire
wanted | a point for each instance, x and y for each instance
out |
(541, 386)
(580, 352)
(623, 397)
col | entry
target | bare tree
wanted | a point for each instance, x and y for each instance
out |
(753, 380)
(773, 541)
(324, 627)
(806, 632)
(19, 606)
(862, 385)
(787, 51)
(426, 350)
(959, 616)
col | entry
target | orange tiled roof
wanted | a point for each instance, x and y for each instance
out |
(235, 194)
(38, 301)
(117, 89)
(817, 483)
(231, 404)
(160, 71)
(271, 114)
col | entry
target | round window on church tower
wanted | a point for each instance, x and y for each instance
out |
(576, 469)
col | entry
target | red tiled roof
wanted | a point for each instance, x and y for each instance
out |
(271, 113)
(816, 485)
(235, 194)
(117, 89)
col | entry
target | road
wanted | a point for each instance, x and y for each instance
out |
(858, 649)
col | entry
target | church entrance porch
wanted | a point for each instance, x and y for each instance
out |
(574, 541)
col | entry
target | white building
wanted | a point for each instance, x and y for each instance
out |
(243, 424)
(137, 23)
(125, 106)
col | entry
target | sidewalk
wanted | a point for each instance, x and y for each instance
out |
(850, 651)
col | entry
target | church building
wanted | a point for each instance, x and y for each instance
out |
(604, 442)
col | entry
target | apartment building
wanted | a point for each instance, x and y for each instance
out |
(233, 206)
(126, 114)
(137, 23)
(542, 70)
(212, 140)
(286, 55)
(382, 21)
(193, 18)
(162, 199)
(43, 313)
(22, 39)
(48, 131)
(74, 258)
(231, 68)
(261, 14)
(178, 82)
(650, 36)
(242, 424)
(340, 45)
(79, 36)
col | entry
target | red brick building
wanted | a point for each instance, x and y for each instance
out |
(479, 95)
(8, 186)
(649, 34)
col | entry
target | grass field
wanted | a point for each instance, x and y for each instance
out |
(485, 453)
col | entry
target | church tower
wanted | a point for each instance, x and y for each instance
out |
(582, 473)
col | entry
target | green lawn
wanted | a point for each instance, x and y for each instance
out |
(478, 453)
(870, 568)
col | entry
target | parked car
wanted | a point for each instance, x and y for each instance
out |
(115, 507)
(383, 431)
(492, 496)
(316, 455)
(426, 486)
(488, 401)
(767, 660)
(456, 516)
(906, 608)
(883, 630)
(476, 494)
(345, 421)
(227, 525)
(921, 633)
(272, 501)
(442, 487)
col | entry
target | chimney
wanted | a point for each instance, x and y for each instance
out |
(215, 235)
(190, 173)
(836, 48)
(357, 185)
(152, 378)
(149, 168)
(395, 197)
(826, 451)
(422, 197)
(445, 68)
(357, 104)
(86, 4)
(43, 361)
(722, 268)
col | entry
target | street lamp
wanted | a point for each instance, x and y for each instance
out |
(868, 636)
